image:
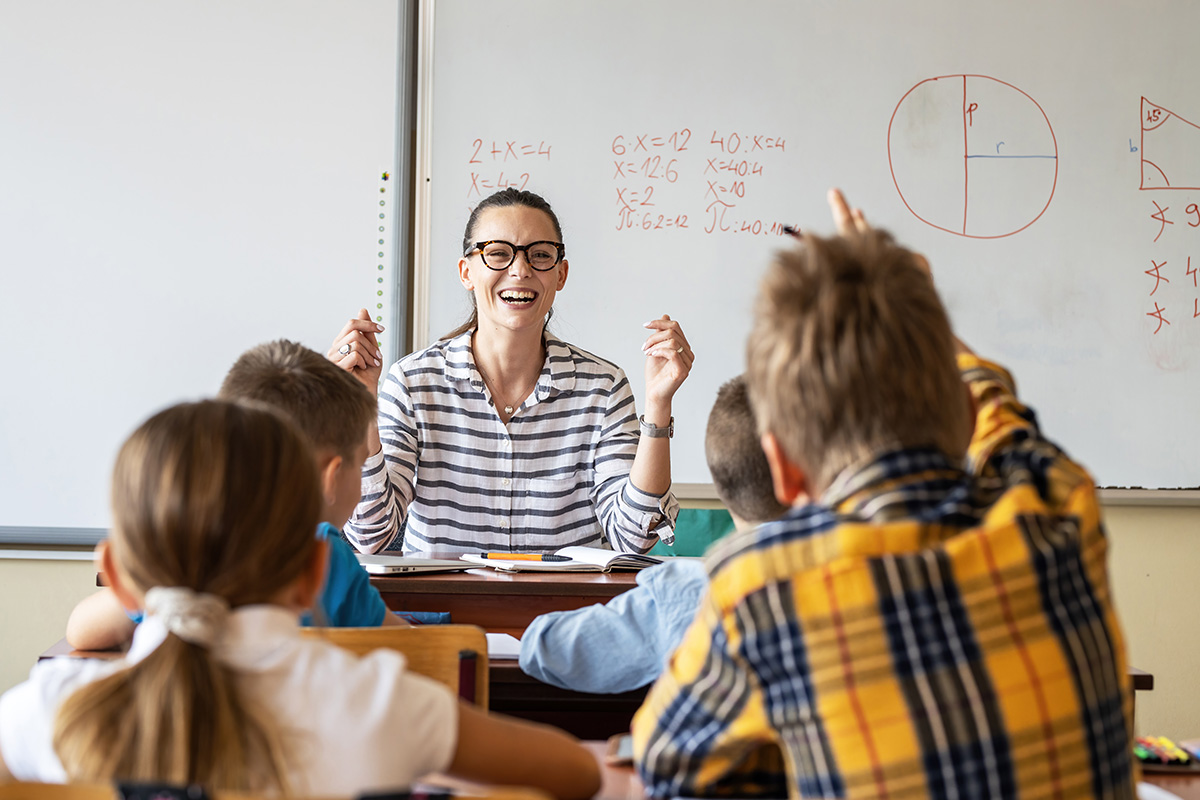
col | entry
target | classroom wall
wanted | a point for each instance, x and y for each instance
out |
(36, 598)
(1155, 561)
(1154, 564)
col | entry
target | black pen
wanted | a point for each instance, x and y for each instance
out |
(792, 231)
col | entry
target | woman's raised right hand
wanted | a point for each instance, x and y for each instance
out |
(356, 350)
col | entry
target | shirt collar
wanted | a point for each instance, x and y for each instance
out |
(558, 374)
(893, 481)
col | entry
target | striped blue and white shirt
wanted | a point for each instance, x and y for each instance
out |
(556, 475)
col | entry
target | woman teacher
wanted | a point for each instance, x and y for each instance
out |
(501, 437)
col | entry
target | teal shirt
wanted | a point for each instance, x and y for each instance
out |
(347, 600)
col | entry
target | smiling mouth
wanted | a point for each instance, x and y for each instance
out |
(518, 297)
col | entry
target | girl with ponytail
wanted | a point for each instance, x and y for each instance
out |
(214, 506)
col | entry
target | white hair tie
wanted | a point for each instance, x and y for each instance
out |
(194, 617)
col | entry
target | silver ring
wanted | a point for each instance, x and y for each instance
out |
(345, 349)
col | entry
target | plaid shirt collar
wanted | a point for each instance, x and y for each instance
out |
(890, 483)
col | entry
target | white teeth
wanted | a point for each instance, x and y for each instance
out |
(514, 294)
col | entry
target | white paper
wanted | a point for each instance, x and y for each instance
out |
(503, 647)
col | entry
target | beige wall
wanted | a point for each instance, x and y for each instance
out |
(1155, 567)
(36, 598)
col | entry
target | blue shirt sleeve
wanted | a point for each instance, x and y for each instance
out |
(622, 645)
(348, 600)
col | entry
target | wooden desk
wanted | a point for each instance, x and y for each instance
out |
(506, 603)
(622, 783)
(584, 715)
(500, 602)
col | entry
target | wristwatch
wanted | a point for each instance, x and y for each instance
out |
(655, 432)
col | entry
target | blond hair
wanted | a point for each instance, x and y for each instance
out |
(328, 405)
(735, 458)
(852, 353)
(222, 499)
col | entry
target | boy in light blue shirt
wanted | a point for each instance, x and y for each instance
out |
(623, 645)
(335, 412)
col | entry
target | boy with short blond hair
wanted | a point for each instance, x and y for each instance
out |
(931, 625)
(334, 412)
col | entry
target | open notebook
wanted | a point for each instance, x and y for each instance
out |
(395, 565)
(582, 559)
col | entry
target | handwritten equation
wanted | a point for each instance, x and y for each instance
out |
(672, 180)
(496, 165)
(648, 195)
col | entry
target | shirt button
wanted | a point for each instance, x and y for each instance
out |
(506, 482)
(504, 524)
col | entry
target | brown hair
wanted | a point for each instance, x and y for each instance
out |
(735, 458)
(501, 199)
(328, 405)
(852, 353)
(222, 499)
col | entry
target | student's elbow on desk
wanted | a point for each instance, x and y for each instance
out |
(99, 622)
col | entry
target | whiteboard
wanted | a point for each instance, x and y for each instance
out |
(178, 182)
(1003, 140)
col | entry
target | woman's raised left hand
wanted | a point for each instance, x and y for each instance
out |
(669, 359)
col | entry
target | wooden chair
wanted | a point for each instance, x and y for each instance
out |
(88, 791)
(454, 655)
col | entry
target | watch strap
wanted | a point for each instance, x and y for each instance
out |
(655, 432)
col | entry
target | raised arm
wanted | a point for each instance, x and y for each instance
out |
(1000, 419)
(633, 517)
(669, 360)
(356, 350)
(389, 474)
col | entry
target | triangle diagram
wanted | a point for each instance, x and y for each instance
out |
(1170, 149)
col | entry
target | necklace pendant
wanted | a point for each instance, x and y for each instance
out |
(508, 410)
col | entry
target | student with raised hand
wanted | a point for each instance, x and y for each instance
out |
(937, 622)
(502, 437)
(623, 644)
(335, 412)
(214, 506)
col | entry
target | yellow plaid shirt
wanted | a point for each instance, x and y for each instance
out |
(921, 631)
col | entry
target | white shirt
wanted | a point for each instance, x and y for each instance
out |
(354, 724)
(556, 475)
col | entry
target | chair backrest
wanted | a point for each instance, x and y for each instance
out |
(454, 655)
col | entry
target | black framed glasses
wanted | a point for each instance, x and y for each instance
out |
(498, 254)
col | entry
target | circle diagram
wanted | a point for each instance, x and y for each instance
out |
(973, 156)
